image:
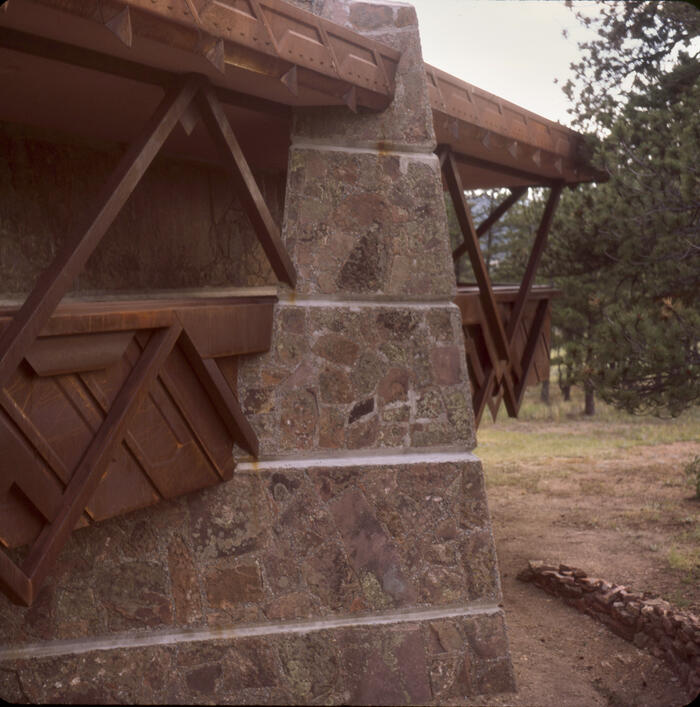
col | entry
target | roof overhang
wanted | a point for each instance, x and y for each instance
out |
(499, 144)
(96, 68)
(265, 48)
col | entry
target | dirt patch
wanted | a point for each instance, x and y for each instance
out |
(625, 515)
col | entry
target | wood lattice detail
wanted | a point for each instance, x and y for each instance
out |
(531, 345)
(115, 412)
(107, 408)
(499, 365)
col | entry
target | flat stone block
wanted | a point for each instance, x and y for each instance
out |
(408, 119)
(394, 663)
(360, 378)
(279, 544)
(359, 224)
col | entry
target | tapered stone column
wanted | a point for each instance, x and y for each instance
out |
(354, 561)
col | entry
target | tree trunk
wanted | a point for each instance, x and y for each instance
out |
(566, 392)
(589, 398)
(544, 392)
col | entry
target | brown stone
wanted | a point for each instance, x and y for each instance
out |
(368, 547)
(282, 487)
(230, 520)
(431, 433)
(135, 597)
(331, 433)
(337, 349)
(282, 572)
(297, 605)
(227, 586)
(41, 617)
(298, 420)
(447, 530)
(479, 558)
(411, 660)
(11, 691)
(487, 636)
(362, 434)
(250, 663)
(77, 614)
(366, 373)
(330, 577)
(448, 635)
(258, 400)
(292, 319)
(394, 386)
(429, 404)
(366, 266)
(203, 680)
(335, 386)
(450, 676)
(392, 436)
(310, 665)
(183, 581)
(366, 16)
(304, 524)
(495, 677)
(447, 364)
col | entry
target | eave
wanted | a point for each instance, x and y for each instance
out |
(499, 144)
(265, 48)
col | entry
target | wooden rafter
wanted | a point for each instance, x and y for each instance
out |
(505, 374)
(515, 194)
(251, 199)
(107, 64)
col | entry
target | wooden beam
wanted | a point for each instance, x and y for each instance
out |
(488, 301)
(246, 187)
(492, 218)
(116, 66)
(224, 400)
(534, 260)
(83, 239)
(528, 357)
(14, 583)
(533, 178)
(89, 472)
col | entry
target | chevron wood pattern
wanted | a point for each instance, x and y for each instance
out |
(153, 399)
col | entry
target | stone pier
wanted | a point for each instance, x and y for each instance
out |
(353, 562)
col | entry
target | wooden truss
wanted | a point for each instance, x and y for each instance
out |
(498, 368)
(149, 389)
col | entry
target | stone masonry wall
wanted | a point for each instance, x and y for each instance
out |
(353, 561)
(649, 622)
(183, 226)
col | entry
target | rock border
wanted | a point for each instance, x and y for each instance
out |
(649, 622)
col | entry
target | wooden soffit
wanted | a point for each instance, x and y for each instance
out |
(499, 144)
(264, 48)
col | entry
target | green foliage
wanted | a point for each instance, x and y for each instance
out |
(626, 253)
(637, 42)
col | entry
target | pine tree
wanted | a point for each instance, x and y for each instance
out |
(627, 252)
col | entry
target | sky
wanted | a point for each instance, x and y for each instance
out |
(513, 48)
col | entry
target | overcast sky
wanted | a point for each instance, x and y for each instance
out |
(513, 48)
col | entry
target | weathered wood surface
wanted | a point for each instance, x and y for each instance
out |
(112, 411)
(531, 342)
(108, 407)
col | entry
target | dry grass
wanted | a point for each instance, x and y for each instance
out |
(611, 474)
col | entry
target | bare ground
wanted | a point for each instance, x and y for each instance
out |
(628, 517)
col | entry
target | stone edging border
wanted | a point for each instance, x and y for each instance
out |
(649, 622)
